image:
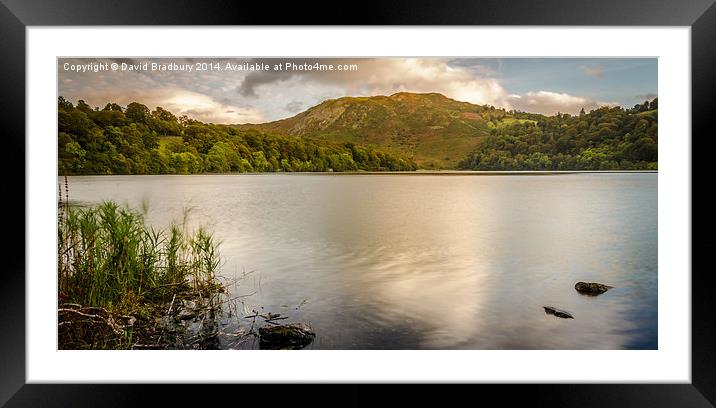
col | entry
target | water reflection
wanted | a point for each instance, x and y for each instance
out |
(406, 262)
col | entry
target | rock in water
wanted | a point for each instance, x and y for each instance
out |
(557, 312)
(292, 336)
(591, 288)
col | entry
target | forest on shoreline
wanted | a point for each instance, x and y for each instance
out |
(137, 140)
(608, 138)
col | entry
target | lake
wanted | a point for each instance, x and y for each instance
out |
(424, 261)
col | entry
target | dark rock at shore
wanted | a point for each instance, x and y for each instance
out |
(292, 336)
(591, 288)
(557, 312)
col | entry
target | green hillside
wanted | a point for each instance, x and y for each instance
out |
(435, 131)
(608, 138)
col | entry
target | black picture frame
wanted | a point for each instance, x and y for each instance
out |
(16, 15)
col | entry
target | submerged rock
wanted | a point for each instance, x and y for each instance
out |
(285, 337)
(557, 312)
(591, 288)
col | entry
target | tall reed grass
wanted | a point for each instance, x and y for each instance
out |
(108, 257)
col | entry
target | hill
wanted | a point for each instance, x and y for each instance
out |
(435, 131)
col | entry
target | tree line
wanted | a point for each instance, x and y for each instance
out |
(137, 140)
(608, 138)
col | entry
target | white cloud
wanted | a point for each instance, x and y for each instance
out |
(206, 109)
(382, 77)
(294, 106)
(176, 100)
(549, 103)
(427, 75)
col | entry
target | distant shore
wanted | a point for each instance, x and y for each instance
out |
(393, 173)
(482, 172)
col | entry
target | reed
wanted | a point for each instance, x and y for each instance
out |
(108, 257)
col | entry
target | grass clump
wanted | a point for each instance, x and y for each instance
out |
(118, 277)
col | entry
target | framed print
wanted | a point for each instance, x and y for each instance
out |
(423, 195)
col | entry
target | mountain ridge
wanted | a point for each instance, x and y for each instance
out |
(438, 132)
(430, 128)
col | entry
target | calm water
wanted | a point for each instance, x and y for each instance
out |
(425, 261)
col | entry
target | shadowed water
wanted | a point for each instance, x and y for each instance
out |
(428, 261)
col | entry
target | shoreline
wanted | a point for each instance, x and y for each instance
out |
(393, 173)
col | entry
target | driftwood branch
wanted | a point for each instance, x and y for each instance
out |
(171, 304)
(95, 318)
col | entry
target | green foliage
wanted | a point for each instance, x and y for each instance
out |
(109, 258)
(608, 138)
(398, 132)
(136, 140)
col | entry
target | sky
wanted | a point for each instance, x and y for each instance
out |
(256, 90)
